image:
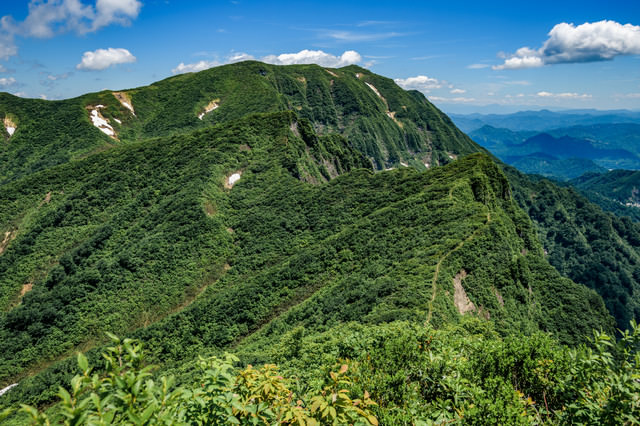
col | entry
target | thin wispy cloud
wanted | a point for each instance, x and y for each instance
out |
(478, 66)
(565, 95)
(351, 36)
(376, 23)
(568, 43)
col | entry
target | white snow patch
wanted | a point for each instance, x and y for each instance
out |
(234, 178)
(358, 75)
(100, 122)
(10, 130)
(231, 180)
(118, 121)
(372, 87)
(451, 156)
(389, 168)
(7, 389)
(426, 165)
(404, 164)
(128, 106)
(212, 105)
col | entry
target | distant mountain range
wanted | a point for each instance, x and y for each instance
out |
(544, 120)
(559, 145)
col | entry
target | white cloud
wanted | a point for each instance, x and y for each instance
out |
(104, 58)
(56, 77)
(194, 67)
(50, 17)
(566, 95)
(115, 12)
(589, 42)
(7, 46)
(523, 58)
(420, 82)
(457, 91)
(319, 57)
(305, 56)
(7, 81)
(47, 18)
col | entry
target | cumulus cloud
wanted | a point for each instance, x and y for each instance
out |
(420, 82)
(194, 67)
(589, 42)
(566, 95)
(47, 18)
(305, 56)
(7, 81)
(50, 17)
(319, 57)
(104, 58)
(457, 91)
(115, 12)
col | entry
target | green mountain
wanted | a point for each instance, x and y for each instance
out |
(585, 243)
(244, 209)
(386, 123)
(615, 191)
(552, 167)
(619, 185)
(559, 154)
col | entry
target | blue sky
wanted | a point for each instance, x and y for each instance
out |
(464, 55)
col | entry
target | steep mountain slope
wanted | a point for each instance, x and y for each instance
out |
(615, 191)
(122, 238)
(386, 123)
(364, 247)
(622, 186)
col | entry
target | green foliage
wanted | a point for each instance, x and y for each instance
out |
(468, 374)
(593, 248)
(125, 393)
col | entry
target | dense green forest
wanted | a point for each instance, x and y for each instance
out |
(387, 124)
(584, 243)
(259, 222)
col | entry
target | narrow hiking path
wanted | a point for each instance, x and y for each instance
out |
(434, 287)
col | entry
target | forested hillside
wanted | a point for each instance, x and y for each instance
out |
(244, 209)
(584, 243)
(386, 123)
